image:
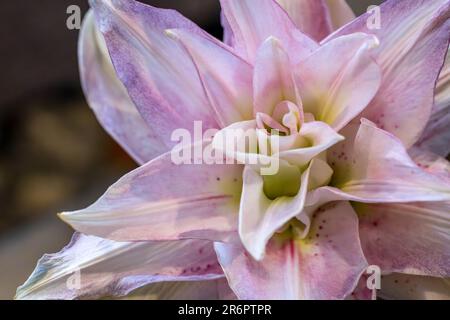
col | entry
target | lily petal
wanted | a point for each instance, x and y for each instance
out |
(260, 217)
(227, 78)
(408, 287)
(339, 80)
(241, 142)
(91, 267)
(310, 16)
(109, 99)
(273, 80)
(380, 170)
(436, 136)
(413, 43)
(158, 73)
(162, 200)
(320, 137)
(181, 290)
(252, 22)
(397, 237)
(430, 162)
(327, 266)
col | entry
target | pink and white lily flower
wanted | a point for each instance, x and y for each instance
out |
(363, 126)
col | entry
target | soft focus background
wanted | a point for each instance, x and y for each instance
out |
(54, 156)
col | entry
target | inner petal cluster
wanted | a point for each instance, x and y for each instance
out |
(284, 151)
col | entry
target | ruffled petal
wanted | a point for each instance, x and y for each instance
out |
(430, 162)
(273, 80)
(340, 13)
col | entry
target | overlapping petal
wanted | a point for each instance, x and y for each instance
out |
(326, 266)
(253, 21)
(407, 237)
(413, 42)
(273, 80)
(319, 137)
(169, 73)
(91, 267)
(310, 16)
(436, 136)
(430, 162)
(227, 79)
(339, 80)
(340, 13)
(162, 200)
(109, 99)
(157, 72)
(379, 169)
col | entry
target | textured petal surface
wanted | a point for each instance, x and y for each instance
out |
(91, 267)
(413, 42)
(227, 79)
(109, 99)
(165, 201)
(273, 80)
(326, 266)
(158, 73)
(407, 237)
(380, 170)
(253, 21)
(339, 79)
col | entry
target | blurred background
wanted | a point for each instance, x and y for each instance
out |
(54, 156)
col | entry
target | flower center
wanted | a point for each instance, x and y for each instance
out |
(287, 118)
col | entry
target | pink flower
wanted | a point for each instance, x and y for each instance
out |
(360, 180)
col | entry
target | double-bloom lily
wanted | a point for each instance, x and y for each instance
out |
(362, 127)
